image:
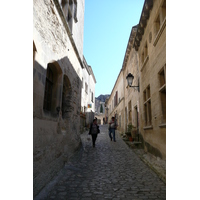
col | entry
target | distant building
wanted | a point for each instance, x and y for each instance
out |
(87, 96)
(100, 109)
(115, 103)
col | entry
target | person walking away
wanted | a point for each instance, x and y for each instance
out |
(94, 130)
(112, 127)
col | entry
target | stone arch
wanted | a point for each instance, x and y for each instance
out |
(67, 108)
(53, 88)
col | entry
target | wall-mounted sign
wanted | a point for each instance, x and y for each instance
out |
(89, 105)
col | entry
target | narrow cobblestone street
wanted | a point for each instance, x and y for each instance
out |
(111, 170)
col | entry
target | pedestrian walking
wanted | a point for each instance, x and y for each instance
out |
(94, 130)
(112, 127)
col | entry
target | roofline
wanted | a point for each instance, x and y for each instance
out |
(116, 82)
(89, 69)
(129, 45)
(148, 4)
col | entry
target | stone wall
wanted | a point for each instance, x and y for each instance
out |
(152, 62)
(115, 103)
(131, 95)
(145, 59)
(56, 132)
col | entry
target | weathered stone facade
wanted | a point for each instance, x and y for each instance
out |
(115, 103)
(57, 85)
(87, 96)
(145, 59)
(131, 95)
(100, 109)
(151, 46)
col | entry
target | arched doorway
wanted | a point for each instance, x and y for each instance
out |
(66, 98)
(52, 89)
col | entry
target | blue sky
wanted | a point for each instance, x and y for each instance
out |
(107, 27)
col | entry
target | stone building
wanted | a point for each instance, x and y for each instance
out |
(87, 96)
(124, 101)
(58, 71)
(145, 58)
(131, 94)
(150, 43)
(115, 103)
(100, 109)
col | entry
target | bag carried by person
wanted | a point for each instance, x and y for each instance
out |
(98, 130)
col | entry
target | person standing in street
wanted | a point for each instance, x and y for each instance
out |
(112, 127)
(94, 130)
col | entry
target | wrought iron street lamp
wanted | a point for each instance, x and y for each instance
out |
(129, 79)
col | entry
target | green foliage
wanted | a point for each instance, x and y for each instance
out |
(101, 109)
(129, 130)
(130, 127)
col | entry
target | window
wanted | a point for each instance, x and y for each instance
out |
(52, 99)
(129, 113)
(160, 22)
(75, 11)
(115, 98)
(48, 90)
(136, 121)
(64, 7)
(162, 11)
(144, 56)
(162, 90)
(147, 107)
(85, 109)
(86, 87)
(157, 24)
(92, 97)
(69, 8)
(70, 14)
(126, 119)
(145, 50)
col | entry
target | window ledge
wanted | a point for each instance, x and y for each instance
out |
(48, 115)
(148, 127)
(160, 32)
(144, 63)
(148, 100)
(163, 125)
(162, 88)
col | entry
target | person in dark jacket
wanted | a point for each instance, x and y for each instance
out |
(112, 127)
(94, 130)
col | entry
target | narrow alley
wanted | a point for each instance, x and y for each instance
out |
(111, 170)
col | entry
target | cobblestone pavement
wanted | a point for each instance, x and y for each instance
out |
(111, 170)
(155, 163)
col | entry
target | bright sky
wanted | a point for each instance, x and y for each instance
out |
(107, 27)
